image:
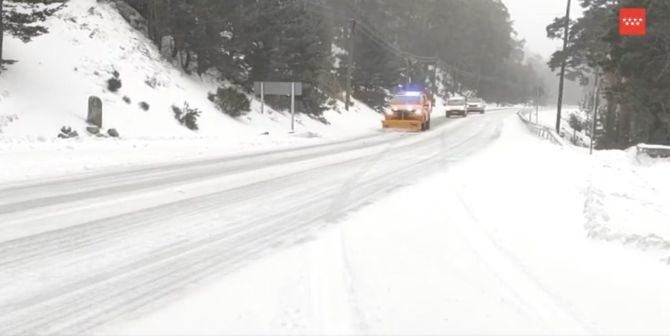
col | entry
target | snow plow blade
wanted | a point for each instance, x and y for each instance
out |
(410, 125)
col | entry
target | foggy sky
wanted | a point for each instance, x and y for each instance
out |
(531, 18)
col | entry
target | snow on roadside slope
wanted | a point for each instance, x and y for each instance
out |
(546, 116)
(92, 41)
(87, 41)
(608, 288)
(628, 200)
(627, 196)
(23, 160)
(500, 248)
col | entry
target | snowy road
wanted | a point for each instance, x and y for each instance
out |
(77, 253)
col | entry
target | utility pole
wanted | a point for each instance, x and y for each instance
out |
(350, 67)
(2, 33)
(566, 32)
(594, 117)
(479, 80)
(540, 92)
(434, 80)
(537, 104)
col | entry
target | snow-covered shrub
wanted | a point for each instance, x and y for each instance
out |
(187, 116)
(114, 83)
(112, 132)
(94, 130)
(144, 106)
(576, 123)
(66, 132)
(230, 101)
(151, 82)
(126, 99)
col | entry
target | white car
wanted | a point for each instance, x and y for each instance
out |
(476, 105)
(456, 106)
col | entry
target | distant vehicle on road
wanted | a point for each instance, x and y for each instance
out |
(409, 109)
(476, 105)
(456, 106)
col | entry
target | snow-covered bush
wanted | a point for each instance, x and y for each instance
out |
(187, 116)
(126, 99)
(151, 82)
(230, 101)
(114, 83)
(144, 106)
(66, 132)
(576, 123)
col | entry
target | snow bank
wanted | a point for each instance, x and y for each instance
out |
(627, 196)
(25, 158)
(628, 200)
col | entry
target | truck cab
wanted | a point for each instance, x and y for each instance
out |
(409, 110)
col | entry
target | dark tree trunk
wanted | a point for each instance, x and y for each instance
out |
(607, 140)
(186, 64)
(151, 21)
(625, 125)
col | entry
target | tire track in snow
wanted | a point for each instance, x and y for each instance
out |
(62, 311)
(513, 274)
(139, 284)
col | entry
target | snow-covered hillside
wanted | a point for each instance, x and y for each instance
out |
(87, 42)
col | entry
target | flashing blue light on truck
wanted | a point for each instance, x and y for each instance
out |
(413, 87)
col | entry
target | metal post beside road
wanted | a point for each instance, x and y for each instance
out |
(292, 107)
(291, 89)
(262, 98)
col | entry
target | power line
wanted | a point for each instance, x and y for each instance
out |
(382, 43)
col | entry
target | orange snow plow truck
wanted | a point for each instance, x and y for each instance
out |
(409, 109)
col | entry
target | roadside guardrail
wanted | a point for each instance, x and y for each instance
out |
(540, 130)
(654, 151)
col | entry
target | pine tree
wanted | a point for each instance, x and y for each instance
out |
(636, 78)
(24, 23)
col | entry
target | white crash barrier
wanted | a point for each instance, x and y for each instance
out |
(655, 151)
(542, 131)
